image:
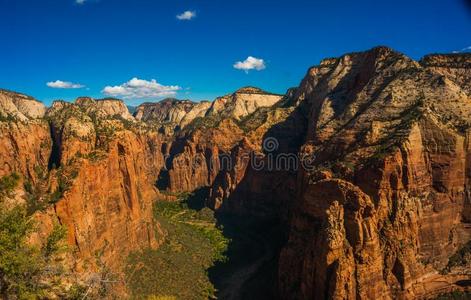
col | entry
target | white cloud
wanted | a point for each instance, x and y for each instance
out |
(59, 84)
(80, 1)
(187, 15)
(463, 50)
(251, 63)
(141, 89)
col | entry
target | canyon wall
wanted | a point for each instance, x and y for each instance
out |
(86, 166)
(381, 203)
(387, 203)
(376, 205)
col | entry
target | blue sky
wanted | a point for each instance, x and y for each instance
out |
(107, 43)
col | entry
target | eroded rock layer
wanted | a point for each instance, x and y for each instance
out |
(85, 166)
(386, 203)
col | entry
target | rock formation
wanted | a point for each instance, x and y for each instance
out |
(107, 107)
(87, 167)
(19, 106)
(166, 111)
(180, 113)
(385, 205)
(381, 203)
(376, 204)
(242, 103)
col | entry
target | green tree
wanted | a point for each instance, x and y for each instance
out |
(7, 184)
(25, 269)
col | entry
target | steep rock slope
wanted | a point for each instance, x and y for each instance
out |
(258, 177)
(193, 160)
(107, 107)
(385, 202)
(19, 106)
(108, 205)
(171, 111)
(242, 103)
(454, 66)
(87, 167)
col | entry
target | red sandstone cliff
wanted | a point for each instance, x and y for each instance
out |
(91, 171)
(392, 204)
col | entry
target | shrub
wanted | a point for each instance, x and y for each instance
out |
(8, 183)
(460, 257)
(52, 244)
(454, 295)
(23, 267)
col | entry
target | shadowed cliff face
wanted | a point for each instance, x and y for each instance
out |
(378, 205)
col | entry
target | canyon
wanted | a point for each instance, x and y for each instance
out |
(369, 196)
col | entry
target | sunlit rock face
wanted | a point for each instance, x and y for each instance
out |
(87, 167)
(393, 136)
(107, 107)
(20, 106)
(242, 103)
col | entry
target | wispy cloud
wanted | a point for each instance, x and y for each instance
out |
(59, 84)
(187, 15)
(80, 1)
(141, 89)
(463, 50)
(251, 63)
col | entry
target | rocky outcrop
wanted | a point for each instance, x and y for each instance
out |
(180, 113)
(391, 208)
(25, 144)
(108, 206)
(199, 110)
(19, 106)
(258, 175)
(168, 110)
(194, 158)
(456, 67)
(176, 113)
(108, 107)
(379, 203)
(24, 147)
(115, 167)
(242, 103)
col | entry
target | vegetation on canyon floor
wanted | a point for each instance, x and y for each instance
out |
(178, 268)
(252, 258)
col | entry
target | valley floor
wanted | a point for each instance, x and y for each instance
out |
(251, 266)
(206, 256)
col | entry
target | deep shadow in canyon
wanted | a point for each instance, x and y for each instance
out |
(255, 215)
(251, 268)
